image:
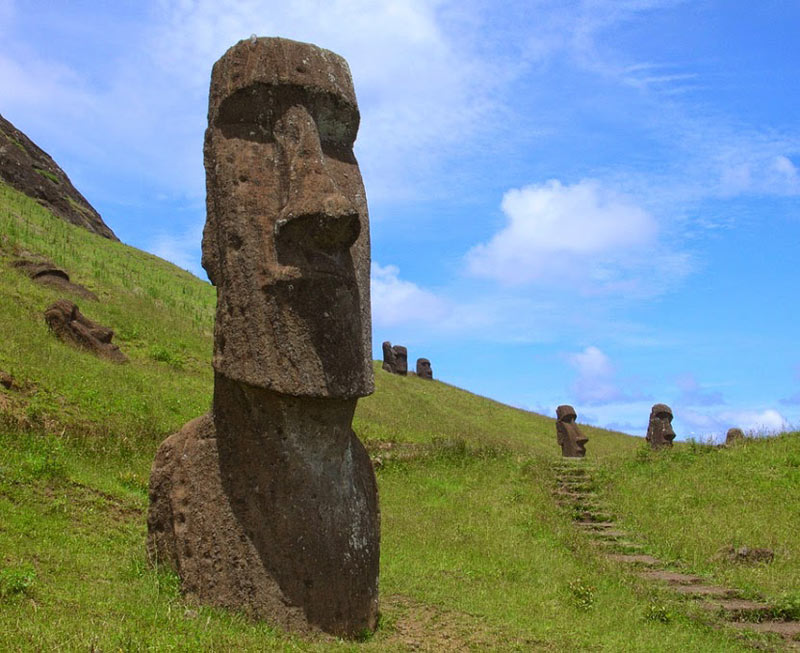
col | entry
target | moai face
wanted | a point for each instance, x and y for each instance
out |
(388, 357)
(287, 234)
(572, 440)
(400, 360)
(659, 431)
(424, 370)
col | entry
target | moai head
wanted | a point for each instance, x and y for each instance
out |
(70, 325)
(388, 357)
(734, 435)
(286, 240)
(659, 431)
(424, 370)
(572, 440)
(400, 360)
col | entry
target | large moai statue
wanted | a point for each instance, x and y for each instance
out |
(424, 370)
(269, 503)
(572, 440)
(659, 430)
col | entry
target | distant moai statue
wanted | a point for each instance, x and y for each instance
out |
(659, 430)
(572, 440)
(424, 370)
(388, 357)
(400, 360)
(734, 435)
(269, 503)
(395, 359)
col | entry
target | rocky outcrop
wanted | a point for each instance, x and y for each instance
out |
(31, 170)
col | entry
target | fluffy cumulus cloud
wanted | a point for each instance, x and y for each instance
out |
(585, 234)
(597, 382)
(395, 301)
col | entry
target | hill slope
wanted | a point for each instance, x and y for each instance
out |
(475, 553)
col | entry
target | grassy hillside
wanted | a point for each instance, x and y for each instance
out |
(475, 553)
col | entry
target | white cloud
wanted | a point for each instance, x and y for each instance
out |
(584, 234)
(395, 301)
(715, 425)
(596, 382)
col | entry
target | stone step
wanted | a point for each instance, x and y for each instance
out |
(708, 591)
(620, 546)
(740, 609)
(609, 534)
(591, 517)
(788, 629)
(596, 525)
(634, 559)
(671, 577)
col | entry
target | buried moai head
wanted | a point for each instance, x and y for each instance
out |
(400, 354)
(572, 440)
(70, 325)
(659, 430)
(424, 370)
(287, 235)
(734, 435)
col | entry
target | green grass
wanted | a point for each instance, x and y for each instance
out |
(475, 554)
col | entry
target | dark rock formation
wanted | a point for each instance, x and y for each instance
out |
(659, 430)
(29, 169)
(569, 436)
(269, 503)
(734, 435)
(70, 325)
(424, 370)
(388, 357)
(47, 273)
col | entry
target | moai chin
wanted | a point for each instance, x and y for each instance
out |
(269, 503)
(400, 354)
(659, 430)
(424, 370)
(388, 357)
(572, 440)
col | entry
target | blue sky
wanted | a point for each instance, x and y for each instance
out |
(592, 203)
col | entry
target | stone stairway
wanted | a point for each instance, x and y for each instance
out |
(576, 492)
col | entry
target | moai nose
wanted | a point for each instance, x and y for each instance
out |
(315, 208)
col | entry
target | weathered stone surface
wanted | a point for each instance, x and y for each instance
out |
(388, 356)
(659, 430)
(269, 504)
(569, 436)
(395, 359)
(400, 360)
(745, 554)
(424, 370)
(29, 169)
(734, 435)
(287, 233)
(70, 325)
(49, 274)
